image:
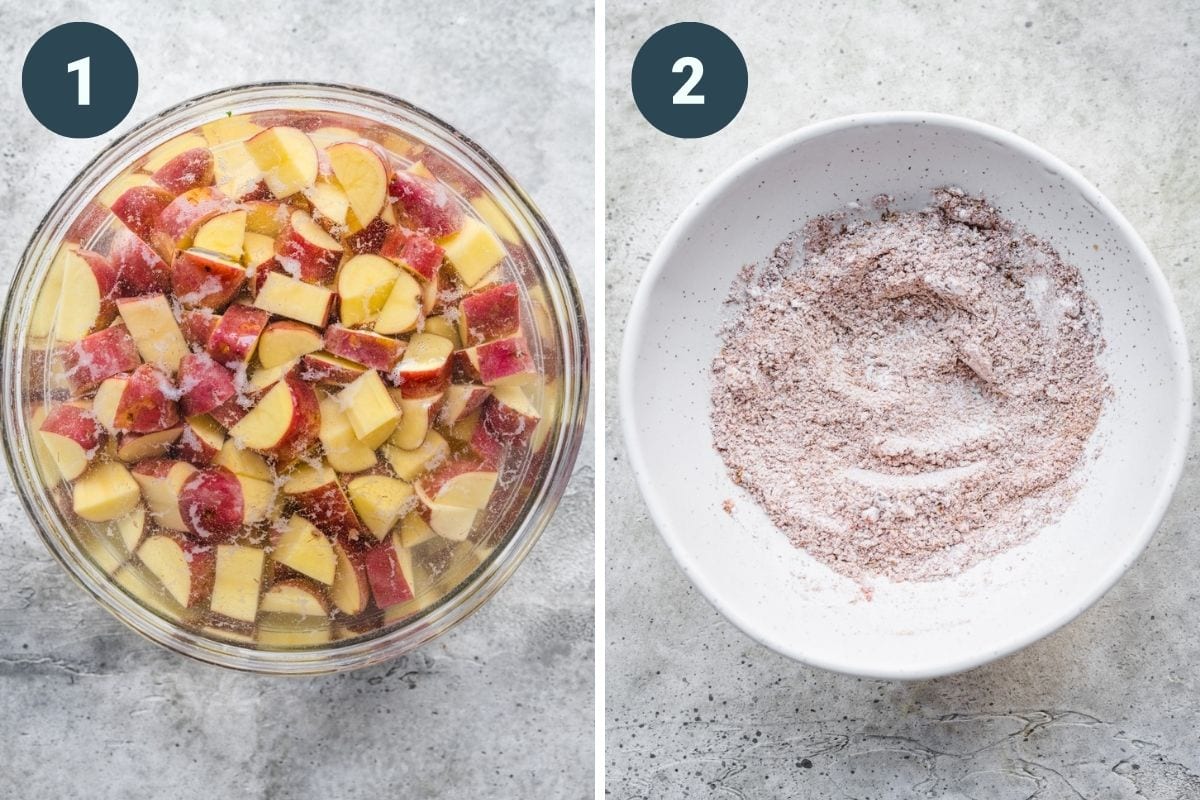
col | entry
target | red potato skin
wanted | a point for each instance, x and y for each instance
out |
(139, 270)
(206, 385)
(432, 482)
(99, 356)
(130, 440)
(487, 447)
(317, 264)
(371, 237)
(327, 507)
(389, 585)
(197, 325)
(87, 223)
(304, 426)
(178, 222)
(144, 406)
(499, 358)
(106, 281)
(414, 251)
(369, 349)
(190, 169)
(494, 313)
(193, 449)
(140, 207)
(260, 191)
(77, 424)
(235, 337)
(422, 383)
(425, 205)
(154, 467)
(358, 564)
(229, 413)
(211, 505)
(192, 275)
(314, 370)
(505, 422)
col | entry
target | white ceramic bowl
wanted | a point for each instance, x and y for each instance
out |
(742, 563)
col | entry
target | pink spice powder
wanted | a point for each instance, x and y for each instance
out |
(909, 395)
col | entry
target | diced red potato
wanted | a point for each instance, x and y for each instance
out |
(494, 313)
(183, 216)
(73, 437)
(139, 270)
(140, 207)
(151, 322)
(234, 339)
(210, 504)
(190, 169)
(329, 369)
(487, 446)
(285, 341)
(363, 347)
(204, 384)
(461, 400)
(305, 251)
(135, 447)
(414, 251)
(138, 403)
(503, 362)
(508, 414)
(201, 439)
(98, 356)
(200, 278)
(427, 205)
(319, 496)
(371, 237)
(87, 301)
(425, 368)
(284, 423)
(390, 585)
(197, 325)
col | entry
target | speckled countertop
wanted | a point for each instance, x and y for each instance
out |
(500, 707)
(1107, 707)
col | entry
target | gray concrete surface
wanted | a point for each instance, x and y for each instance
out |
(1107, 707)
(502, 706)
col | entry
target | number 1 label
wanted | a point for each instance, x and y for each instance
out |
(83, 66)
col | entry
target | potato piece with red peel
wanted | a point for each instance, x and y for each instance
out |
(327, 368)
(98, 356)
(304, 548)
(238, 582)
(305, 251)
(150, 322)
(89, 289)
(370, 409)
(487, 447)
(134, 447)
(503, 362)
(380, 502)
(509, 414)
(210, 504)
(224, 234)
(184, 568)
(370, 238)
(131, 529)
(463, 483)
(105, 492)
(260, 500)
(245, 463)
(319, 497)
(414, 251)
(350, 591)
(425, 368)
(139, 270)
(197, 324)
(364, 283)
(363, 176)
(294, 597)
(343, 450)
(258, 255)
(72, 437)
(453, 523)
(161, 482)
(287, 158)
(137, 403)
(205, 385)
(328, 201)
(363, 347)
(494, 313)
(414, 530)
(461, 400)
(284, 423)
(390, 581)
(200, 278)
(183, 216)
(427, 204)
(473, 251)
(200, 440)
(190, 169)
(139, 207)
(443, 327)
(295, 299)
(410, 464)
(403, 309)
(234, 340)
(286, 341)
(417, 415)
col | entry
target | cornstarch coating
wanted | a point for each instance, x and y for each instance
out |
(908, 395)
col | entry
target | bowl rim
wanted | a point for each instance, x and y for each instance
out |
(639, 320)
(482, 582)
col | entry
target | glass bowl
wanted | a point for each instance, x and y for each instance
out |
(458, 577)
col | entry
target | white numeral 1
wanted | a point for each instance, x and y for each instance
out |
(84, 67)
(695, 72)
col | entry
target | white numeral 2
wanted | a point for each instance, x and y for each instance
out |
(696, 71)
(84, 67)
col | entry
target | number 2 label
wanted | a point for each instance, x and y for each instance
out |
(83, 66)
(695, 68)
